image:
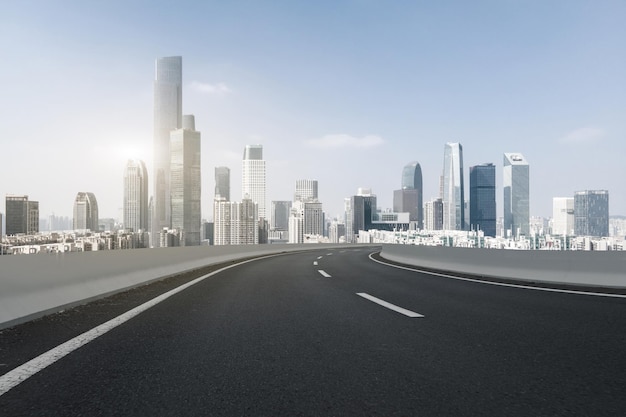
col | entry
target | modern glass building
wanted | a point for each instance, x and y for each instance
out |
(86, 212)
(482, 209)
(222, 183)
(185, 171)
(280, 215)
(591, 213)
(136, 196)
(253, 177)
(453, 194)
(409, 199)
(168, 113)
(516, 183)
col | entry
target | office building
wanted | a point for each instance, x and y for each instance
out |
(336, 231)
(280, 215)
(482, 204)
(296, 222)
(236, 223)
(360, 213)
(86, 212)
(563, 216)
(516, 183)
(305, 190)
(185, 181)
(136, 196)
(591, 213)
(168, 116)
(253, 177)
(409, 199)
(453, 188)
(433, 214)
(221, 220)
(22, 215)
(222, 183)
(313, 216)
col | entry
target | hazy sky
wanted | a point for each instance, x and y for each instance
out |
(345, 92)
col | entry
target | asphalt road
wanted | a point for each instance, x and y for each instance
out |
(277, 337)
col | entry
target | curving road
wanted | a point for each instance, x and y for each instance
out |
(328, 333)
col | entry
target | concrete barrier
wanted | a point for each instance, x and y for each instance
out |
(32, 286)
(579, 268)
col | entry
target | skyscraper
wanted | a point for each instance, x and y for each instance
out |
(409, 199)
(86, 212)
(453, 195)
(516, 182)
(591, 213)
(168, 105)
(136, 196)
(563, 215)
(305, 190)
(22, 215)
(433, 214)
(360, 213)
(222, 183)
(185, 174)
(253, 177)
(280, 215)
(482, 210)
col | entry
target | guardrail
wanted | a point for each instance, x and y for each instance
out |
(579, 268)
(32, 286)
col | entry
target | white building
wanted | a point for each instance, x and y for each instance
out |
(253, 177)
(236, 223)
(563, 216)
(136, 196)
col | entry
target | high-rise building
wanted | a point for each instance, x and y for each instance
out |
(86, 212)
(305, 190)
(136, 196)
(563, 216)
(516, 182)
(453, 195)
(168, 116)
(296, 222)
(22, 215)
(482, 207)
(409, 198)
(433, 214)
(280, 215)
(185, 181)
(360, 213)
(221, 218)
(222, 183)
(591, 213)
(253, 177)
(313, 218)
(236, 223)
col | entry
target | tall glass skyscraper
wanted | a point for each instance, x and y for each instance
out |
(136, 196)
(453, 188)
(168, 114)
(516, 182)
(86, 212)
(591, 213)
(222, 183)
(409, 199)
(483, 198)
(253, 178)
(185, 184)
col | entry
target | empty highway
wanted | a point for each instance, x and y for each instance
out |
(323, 333)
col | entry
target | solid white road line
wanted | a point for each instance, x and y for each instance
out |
(324, 274)
(18, 375)
(501, 284)
(390, 306)
(314, 262)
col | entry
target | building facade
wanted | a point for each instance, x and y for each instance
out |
(86, 212)
(168, 105)
(185, 182)
(433, 214)
(280, 215)
(305, 190)
(591, 213)
(516, 183)
(482, 207)
(409, 199)
(453, 187)
(222, 183)
(253, 177)
(136, 196)
(563, 216)
(22, 215)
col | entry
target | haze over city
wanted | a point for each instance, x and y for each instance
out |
(346, 93)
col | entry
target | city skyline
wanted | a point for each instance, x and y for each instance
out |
(348, 108)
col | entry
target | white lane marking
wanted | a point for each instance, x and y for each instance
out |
(314, 262)
(319, 257)
(20, 374)
(390, 306)
(324, 274)
(501, 284)
(329, 254)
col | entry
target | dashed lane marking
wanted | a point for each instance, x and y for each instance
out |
(390, 306)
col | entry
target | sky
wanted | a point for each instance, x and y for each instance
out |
(345, 92)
